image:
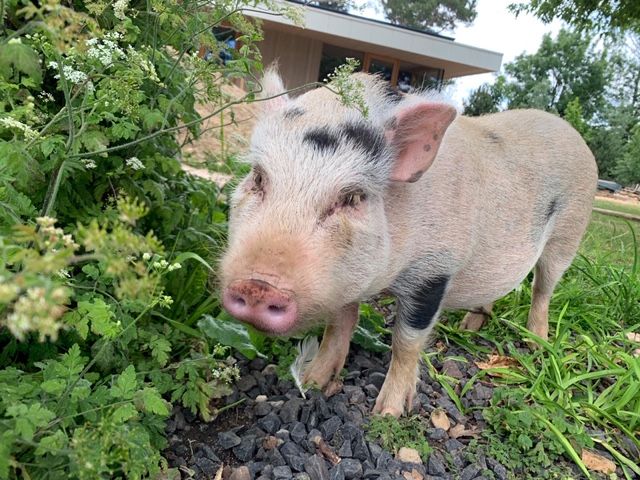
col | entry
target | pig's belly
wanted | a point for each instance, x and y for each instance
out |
(486, 279)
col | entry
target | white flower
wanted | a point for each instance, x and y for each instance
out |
(146, 256)
(134, 163)
(174, 266)
(10, 122)
(119, 8)
(105, 50)
(14, 40)
(88, 164)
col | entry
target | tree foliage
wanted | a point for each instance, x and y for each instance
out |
(562, 69)
(430, 14)
(604, 16)
(598, 92)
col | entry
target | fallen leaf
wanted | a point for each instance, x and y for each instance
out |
(598, 463)
(634, 337)
(219, 473)
(497, 361)
(461, 431)
(440, 420)
(413, 475)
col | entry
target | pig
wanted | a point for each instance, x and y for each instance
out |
(439, 210)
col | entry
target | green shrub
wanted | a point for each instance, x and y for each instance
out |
(107, 246)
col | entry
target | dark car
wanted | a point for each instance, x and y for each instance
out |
(613, 187)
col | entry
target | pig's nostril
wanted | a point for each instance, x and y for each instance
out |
(240, 301)
(277, 309)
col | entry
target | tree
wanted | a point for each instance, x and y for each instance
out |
(336, 5)
(562, 69)
(627, 169)
(603, 16)
(573, 115)
(430, 14)
(484, 99)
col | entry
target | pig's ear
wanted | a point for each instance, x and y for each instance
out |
(415, 133)
(272, 86)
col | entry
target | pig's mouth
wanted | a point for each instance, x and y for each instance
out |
(262, 305)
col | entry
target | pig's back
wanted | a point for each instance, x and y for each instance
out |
(495, 193)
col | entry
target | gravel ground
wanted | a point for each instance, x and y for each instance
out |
(276, 434)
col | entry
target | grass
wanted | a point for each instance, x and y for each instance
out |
(581, 389)
(616, 206)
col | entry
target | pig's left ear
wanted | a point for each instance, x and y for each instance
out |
(415, 133)
(272, 86)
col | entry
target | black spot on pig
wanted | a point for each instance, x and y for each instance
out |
(364, 137)
(424, 303)
(322, 139)
(552, 208)
(294, 112)
(493, 137)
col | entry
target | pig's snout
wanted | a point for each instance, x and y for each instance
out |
(262, 305)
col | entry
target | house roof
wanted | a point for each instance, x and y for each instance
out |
(405, 44)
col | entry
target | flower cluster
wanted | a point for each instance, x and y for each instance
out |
(134, 163)
(120, 8)
(164, 265)
(105, 50)
(12, 123)
(54, 237)
(72, 75)
(38, 310)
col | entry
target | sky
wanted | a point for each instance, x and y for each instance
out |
(496, 29)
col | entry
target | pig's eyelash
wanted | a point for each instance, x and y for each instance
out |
(258, 179)
(352, 197)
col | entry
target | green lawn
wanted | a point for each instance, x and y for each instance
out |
(581, 389)
(617, 207)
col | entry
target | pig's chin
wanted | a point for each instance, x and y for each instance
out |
(277, 329)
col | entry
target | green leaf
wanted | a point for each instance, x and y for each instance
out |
(29, 418)
(125, 385)
(101, 317)
(5, 455)
(152, 402)
(227, 331)
(124, 412)
(54, 387)
(160, 348)
(52, 443)
(18, 57)
(94, 140)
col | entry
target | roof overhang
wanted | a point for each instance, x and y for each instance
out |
(359, 33)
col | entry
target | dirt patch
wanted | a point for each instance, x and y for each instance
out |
(224, 132)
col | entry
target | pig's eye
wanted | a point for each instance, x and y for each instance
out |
(353, 199)
(258, 180)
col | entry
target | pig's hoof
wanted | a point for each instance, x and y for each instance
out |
(473, 321)
(333, 387)
(393, 404)
(318, 377)
(393, 411)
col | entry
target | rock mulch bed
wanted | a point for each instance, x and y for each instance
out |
(276, 434)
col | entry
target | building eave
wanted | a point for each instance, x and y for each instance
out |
(456, 59)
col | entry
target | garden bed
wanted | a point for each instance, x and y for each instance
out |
(276, 434)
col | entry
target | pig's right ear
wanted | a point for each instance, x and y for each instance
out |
(415, 133)
(272, 86)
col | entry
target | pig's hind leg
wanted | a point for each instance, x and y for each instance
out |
(417, 314)
(474, 319)
(328, 362)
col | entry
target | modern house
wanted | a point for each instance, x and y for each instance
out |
(405, 56)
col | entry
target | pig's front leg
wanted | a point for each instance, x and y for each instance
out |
(328, 363)
(417, 314)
